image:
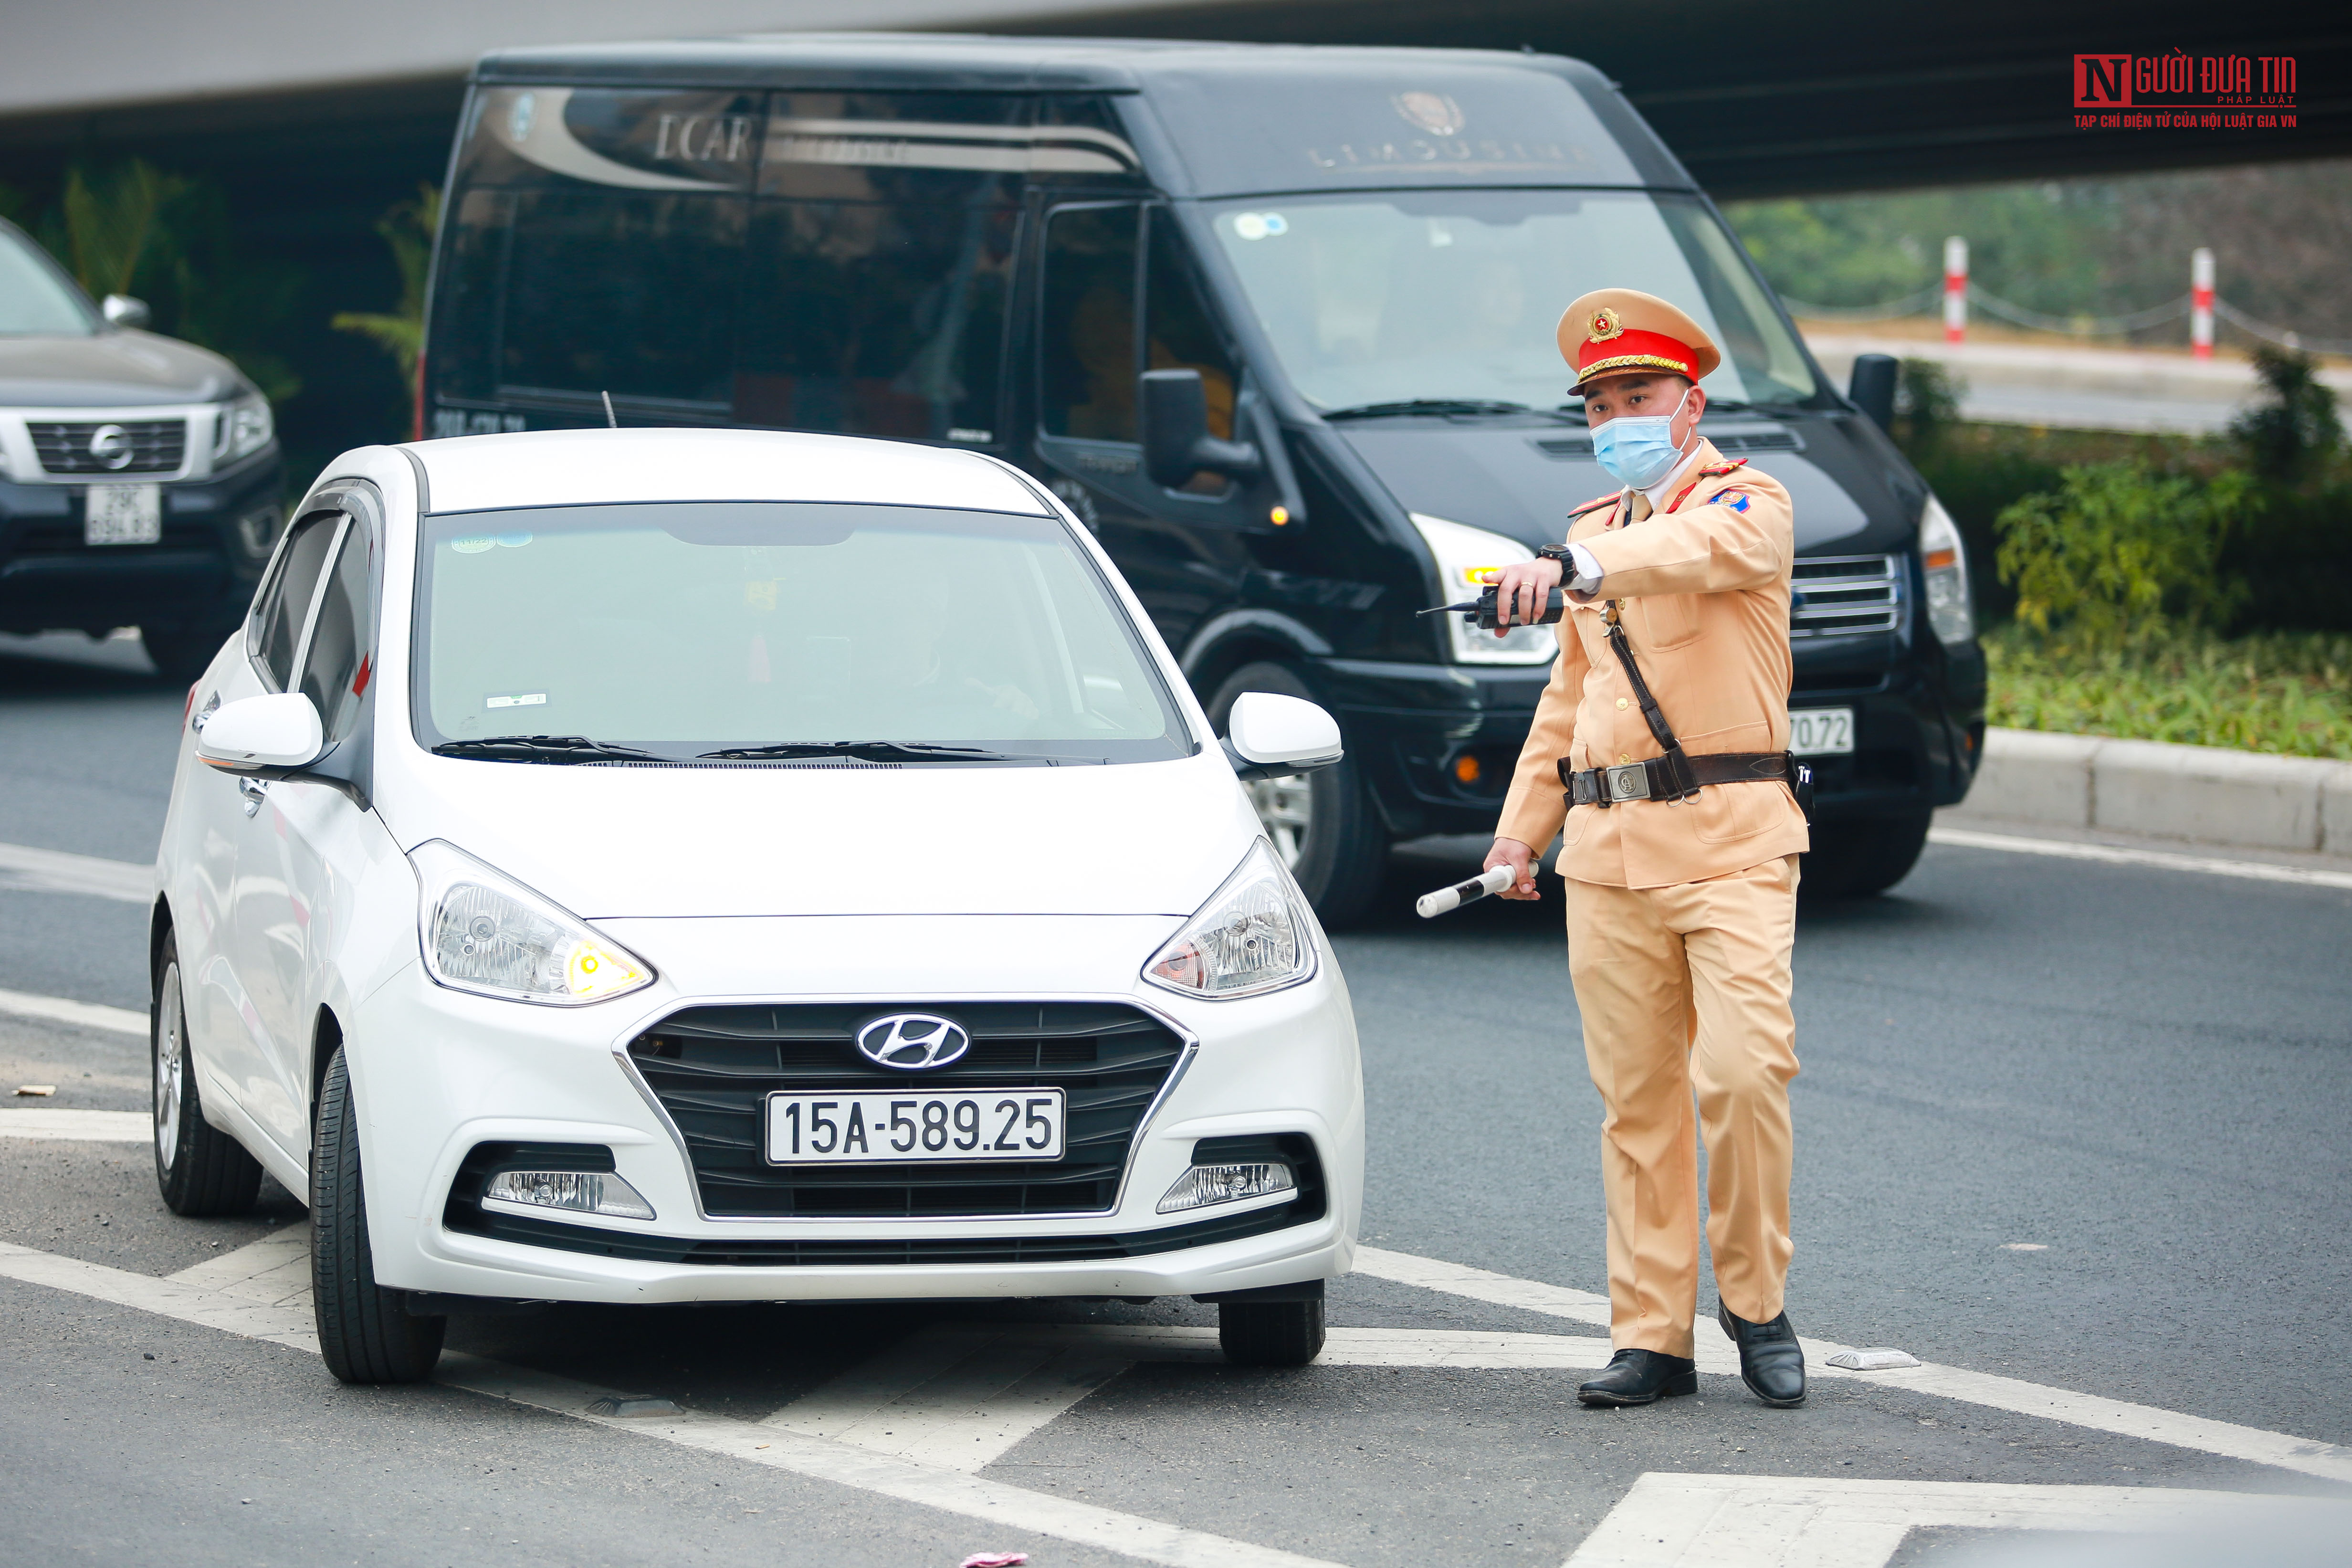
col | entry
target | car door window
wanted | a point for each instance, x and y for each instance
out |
(274, 636)
(1087, 338)
(341, 661)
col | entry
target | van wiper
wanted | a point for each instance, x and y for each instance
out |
(868, 750)
(542, 749)
(1474, 407)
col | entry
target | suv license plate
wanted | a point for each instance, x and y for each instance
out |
(880, 1128)
(1816, 732)
(123, 514)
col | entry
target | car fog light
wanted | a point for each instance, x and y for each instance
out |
(581, 1192)
(1205, 1184)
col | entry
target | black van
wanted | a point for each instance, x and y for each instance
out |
(1276, 322)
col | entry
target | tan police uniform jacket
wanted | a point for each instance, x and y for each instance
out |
(1704, 593)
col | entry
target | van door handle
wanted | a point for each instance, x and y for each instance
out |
(255, 793)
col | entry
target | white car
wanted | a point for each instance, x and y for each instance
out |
(658, 866)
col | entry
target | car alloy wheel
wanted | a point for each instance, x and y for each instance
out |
(1286, 807)
(170, 1030)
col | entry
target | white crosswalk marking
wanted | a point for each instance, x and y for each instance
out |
(275, 1270)
(86, 1015)
(27, 869)
(65, 1126)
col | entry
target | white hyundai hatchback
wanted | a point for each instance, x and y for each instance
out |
(661, 866)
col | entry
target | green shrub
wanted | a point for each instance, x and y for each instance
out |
(2286, 693)
(2119, 548)
(2294, 428)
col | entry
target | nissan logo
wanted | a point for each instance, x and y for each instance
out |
(913, 1041)
(111, 445)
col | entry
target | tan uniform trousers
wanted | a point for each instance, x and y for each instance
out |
(1687, 986)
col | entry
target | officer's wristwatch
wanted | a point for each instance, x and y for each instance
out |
(1561, 554)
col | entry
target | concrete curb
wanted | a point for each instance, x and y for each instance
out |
(2209, 795)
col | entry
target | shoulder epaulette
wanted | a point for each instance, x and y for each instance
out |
(1719, 470)
(1596, 504)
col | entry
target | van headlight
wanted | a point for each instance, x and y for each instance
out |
(485, 933)
(1464, 555)
(1950, 615)
(1251, 937)
(243, 428)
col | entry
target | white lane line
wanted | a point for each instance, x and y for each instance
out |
(276, 1269)
(2094, 1411)
(58, 1010)
(166, 1298)
(79, 1126)
(1705, 1521)
(2165, 859)
(27, 870)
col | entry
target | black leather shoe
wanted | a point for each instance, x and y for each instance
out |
(1640, 1377)
(1771, 1361)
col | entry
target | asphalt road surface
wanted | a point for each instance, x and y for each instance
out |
(2075, 1134)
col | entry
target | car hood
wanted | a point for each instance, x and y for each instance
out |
(919, 839)
(111, 370)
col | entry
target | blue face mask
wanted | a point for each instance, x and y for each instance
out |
(1638, 450)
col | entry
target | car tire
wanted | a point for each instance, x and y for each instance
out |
(1323, 824)
(1862, 860)
(200, 1169)
(181, 654)
(1270, 1334)
(365, 1331)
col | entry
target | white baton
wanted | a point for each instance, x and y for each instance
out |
(1446, 899)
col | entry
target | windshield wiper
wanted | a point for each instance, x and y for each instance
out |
(1474, 407)
(542, 749)
(868, 750)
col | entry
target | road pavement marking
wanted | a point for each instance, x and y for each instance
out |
(79, 1126)
(275, 1270)
(58, 1010)
(166, 1298)
(27, 870)
(2166, 859)
(1706, 1521)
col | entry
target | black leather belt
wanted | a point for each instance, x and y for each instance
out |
(1678, 775)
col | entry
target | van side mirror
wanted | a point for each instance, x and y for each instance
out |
(123, 310)
(1270, 736)
(1872, 387)
(1176, 440)
(262, 736)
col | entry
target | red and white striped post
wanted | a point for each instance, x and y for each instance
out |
(2201, 302)
(1956, 289)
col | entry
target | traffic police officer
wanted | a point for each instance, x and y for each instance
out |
(1659, 753)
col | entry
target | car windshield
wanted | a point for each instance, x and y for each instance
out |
(684, 630)
(1453, 296)
(34, 301)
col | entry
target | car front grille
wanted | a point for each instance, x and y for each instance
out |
(153, 446)
(712, 1070)
(1839, 595)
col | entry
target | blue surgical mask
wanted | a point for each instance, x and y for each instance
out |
(1638, 449)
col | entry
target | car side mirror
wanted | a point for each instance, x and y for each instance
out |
(262, 736)
(123, 310)
(1270, 736)
(1176, 440)
(1872, 387)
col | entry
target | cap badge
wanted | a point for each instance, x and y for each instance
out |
(1605, 325)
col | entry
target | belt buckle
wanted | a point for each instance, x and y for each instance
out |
(1631, 781)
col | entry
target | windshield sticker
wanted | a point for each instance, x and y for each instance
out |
(514, 540)
(517, 700)
(473, 544)
(1260, 226)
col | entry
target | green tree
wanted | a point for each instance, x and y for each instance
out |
(113, 223)
(2119, 551)
(2296, 425)
(408, 228)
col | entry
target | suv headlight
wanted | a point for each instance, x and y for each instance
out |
(485, 933)
(243, 428)
(1252, 936)
(1463, 555)
(1949, 614)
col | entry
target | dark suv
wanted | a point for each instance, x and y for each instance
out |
(140, 477)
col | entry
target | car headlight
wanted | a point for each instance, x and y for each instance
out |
(243, 428)
(1465, 554)
(1252, 936)
(1950, 613)
(485, 933)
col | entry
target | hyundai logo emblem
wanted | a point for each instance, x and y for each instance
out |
(913, 1041)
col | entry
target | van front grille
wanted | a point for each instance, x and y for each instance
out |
(135, 446)
(1840, 595)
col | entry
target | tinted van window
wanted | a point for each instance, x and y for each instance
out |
(1087, 335)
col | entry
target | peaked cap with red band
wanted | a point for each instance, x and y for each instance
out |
(1623, 331)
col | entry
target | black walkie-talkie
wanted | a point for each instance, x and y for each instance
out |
(1487, 614)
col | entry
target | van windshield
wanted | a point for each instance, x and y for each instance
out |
(748, 630)
(34, 301)
(1453, 296)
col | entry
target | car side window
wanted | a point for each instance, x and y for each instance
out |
(340, 662)
(1087, 338)
(1178, 331)
(275, 635)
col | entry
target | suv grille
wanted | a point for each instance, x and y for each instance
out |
(713, 1068)
(1839, 595)
(155, 446)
